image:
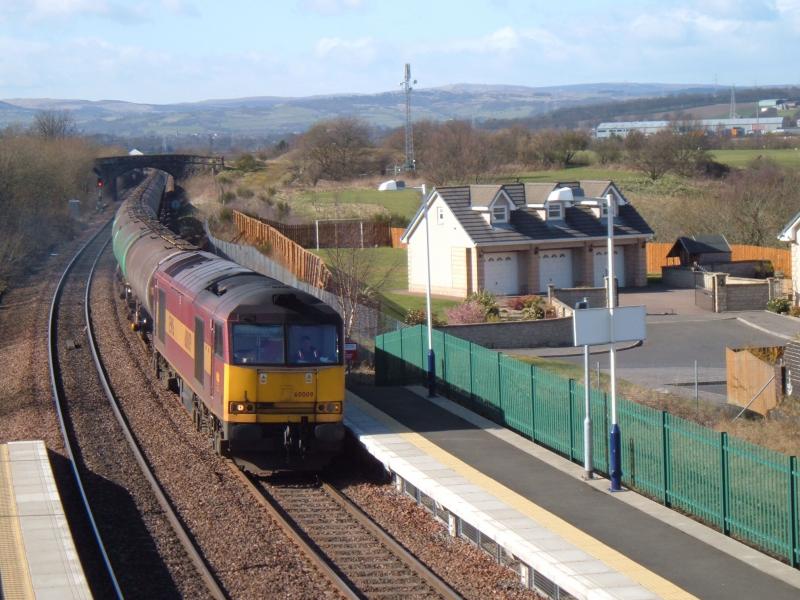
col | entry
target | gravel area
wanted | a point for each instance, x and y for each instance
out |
(246, 549)
(468, 570)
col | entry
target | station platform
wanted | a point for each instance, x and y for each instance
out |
(570, 537)
(37, 554)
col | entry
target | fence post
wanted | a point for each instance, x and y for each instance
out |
(794, 558)
(723, 448)
(665, 452)
(571, 419)
(500, 390)
(533, 402)
(469, 348)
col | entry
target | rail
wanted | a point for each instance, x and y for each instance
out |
(57, 400)
(363, 562)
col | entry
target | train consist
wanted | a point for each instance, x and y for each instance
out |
(258, 364)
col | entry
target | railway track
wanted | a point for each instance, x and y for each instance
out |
(96, 450)
(360, 557)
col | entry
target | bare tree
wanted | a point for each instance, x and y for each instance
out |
(656, 157)
(54, 124)
(357, 279)
(334, 149)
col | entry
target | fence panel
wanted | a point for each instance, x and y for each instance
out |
(485, 376)
(412, 347)
(695, 469)
(600, 421)
(642, 446)
(516, 393)
(759, 503)
(551, 403)
(457, 359)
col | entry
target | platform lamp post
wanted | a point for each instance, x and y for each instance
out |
(615, 468)
(431, 354)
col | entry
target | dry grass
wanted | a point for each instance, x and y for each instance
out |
(780, 431)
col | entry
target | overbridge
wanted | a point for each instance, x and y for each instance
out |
(180, 166)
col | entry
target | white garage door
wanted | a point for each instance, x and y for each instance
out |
(500, 272)
(555, 267)
(601, 266)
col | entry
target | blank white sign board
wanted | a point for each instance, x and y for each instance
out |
(594, 326)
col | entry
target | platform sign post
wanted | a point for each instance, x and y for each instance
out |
(595, 326)
(587, 419)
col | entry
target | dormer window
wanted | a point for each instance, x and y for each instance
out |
(500, 213)
(554, 210)
(604, 209)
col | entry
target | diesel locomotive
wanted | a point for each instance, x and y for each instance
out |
(258, 364)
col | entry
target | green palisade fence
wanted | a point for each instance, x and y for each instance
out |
(741, 489)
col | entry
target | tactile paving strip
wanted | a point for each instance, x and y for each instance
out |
(15, 582)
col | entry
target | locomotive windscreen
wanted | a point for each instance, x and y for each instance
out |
(313, 344)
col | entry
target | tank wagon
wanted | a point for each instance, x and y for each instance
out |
(258, 364)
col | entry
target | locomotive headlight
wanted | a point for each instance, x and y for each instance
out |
(329, 407)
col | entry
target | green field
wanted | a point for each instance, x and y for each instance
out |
(353, 203)
(740, 158)
(390, 267)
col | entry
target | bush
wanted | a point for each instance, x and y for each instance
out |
(794, 311)
(533, 308)
(246, 162)
(283, 210)
(523, 302)
(228, 197)
(225, 215)
(487, 301)
(417, 316)
(779, 305)
(244, 192)
(466, 313)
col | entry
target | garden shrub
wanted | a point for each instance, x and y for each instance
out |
(779, 305)
(467, 313)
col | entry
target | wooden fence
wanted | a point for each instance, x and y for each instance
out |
(397, 233)
(305, 265)
(335, 234)
(781, 259)
(752, 382)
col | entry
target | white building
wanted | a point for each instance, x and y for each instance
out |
(746, 126)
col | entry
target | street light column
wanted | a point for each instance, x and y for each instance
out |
(431, 355)
(615, 468)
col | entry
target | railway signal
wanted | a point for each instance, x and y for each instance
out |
(100, 182)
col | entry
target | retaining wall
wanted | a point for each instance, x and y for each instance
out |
(516, 334)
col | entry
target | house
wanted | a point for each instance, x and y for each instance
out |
(701, 250)
(518, 238)
(791, 234)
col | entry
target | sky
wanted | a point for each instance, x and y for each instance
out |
(163, 51)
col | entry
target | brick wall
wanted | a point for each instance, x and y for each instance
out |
(516, 334)
(747, 296)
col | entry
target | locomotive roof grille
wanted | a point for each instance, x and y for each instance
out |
(185, 263)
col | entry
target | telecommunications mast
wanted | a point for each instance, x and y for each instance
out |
(406, 84)
(733, 114)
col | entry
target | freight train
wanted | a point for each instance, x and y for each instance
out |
(258, 364)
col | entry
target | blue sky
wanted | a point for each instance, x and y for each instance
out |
(184, 50)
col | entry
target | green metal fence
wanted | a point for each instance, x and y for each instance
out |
(742, 489)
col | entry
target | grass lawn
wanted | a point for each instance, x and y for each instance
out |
(740, 158)
(351, 203)
(391, 265)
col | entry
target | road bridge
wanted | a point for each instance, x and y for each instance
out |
(180, 166)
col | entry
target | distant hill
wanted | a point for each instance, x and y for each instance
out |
(274, 115)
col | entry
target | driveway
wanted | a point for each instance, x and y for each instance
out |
(679, 333)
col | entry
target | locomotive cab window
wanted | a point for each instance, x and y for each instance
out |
(257, 344)
(313, 344)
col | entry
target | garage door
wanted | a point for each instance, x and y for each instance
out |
(601, 266)
(501, 273)
(555, 267)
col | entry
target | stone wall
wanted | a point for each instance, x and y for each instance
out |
(516, 334)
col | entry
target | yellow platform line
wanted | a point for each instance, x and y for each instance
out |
(592, 546)
(14, 571)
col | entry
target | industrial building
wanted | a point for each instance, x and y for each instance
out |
(736, 127)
